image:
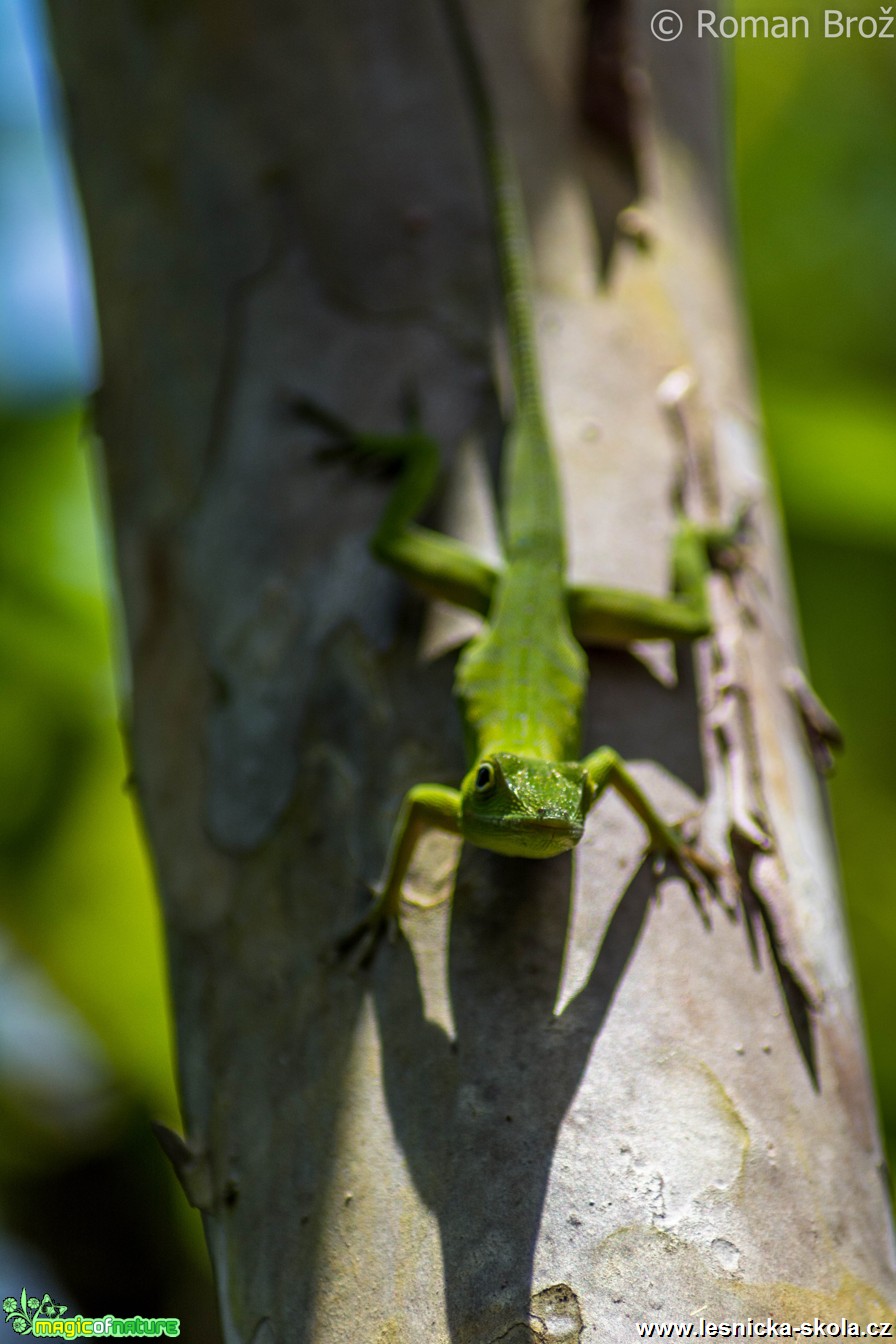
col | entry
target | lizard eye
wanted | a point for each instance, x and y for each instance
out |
(485, 778)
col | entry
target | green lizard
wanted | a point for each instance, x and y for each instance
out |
(521, 681)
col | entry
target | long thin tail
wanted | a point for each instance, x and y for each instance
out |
(532, 512)
(509, 216)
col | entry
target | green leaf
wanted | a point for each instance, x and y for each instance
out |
(836, 457)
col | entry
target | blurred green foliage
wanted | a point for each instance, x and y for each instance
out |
(74, 882)
(84, 1039)
(815, 133)
(71, 857)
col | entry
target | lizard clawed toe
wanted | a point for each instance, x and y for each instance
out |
(359, 944)
(362, 460)
(700, 874)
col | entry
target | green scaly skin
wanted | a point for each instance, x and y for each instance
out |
(520, 682)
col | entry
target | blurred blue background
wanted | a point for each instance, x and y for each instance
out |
(48, 349)
(88, 1208)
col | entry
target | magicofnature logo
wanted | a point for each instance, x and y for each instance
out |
(42, 1316)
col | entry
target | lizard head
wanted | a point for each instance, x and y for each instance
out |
(525, 807)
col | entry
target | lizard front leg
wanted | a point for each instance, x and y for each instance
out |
(425, 807)
(605, 769)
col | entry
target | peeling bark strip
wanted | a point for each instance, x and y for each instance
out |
(504, 1132)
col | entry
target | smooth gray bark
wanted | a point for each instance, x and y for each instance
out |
(498, 1132)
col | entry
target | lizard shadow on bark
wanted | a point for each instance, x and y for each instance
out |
(478, 1116)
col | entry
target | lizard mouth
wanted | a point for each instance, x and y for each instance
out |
(554, 824)
(544, 837)
(531, 837)
(558, 833)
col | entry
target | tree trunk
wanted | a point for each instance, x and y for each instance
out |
(497, 1131)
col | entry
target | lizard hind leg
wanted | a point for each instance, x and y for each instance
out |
(614, 616)
(408, 453)
(438, 565)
